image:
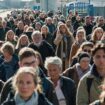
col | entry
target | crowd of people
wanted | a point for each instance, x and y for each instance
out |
(50, 59)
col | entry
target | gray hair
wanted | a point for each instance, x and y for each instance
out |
(36, 33)
(53, 60)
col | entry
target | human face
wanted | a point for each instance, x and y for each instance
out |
(99, 60)
(84, 63)
(37, 38)
(29, 61)
(24, 40)
(54, 72)
(80, 36)
(25, 85)
(44, 30)
(62, 29)
(99, 34)
(10, 35)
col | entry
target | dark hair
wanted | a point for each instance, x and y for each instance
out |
(26, 52)
(98, 46)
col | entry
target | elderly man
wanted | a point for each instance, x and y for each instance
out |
(40, 45)
(64, 87)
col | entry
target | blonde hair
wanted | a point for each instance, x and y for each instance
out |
(19, 41)
(26, 70)
(94, 36)
(80, 29)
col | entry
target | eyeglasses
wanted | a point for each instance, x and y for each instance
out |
(85, 50)
(29, 63)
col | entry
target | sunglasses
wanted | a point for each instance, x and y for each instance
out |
(85, 50)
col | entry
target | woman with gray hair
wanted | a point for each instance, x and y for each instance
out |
(64, 87)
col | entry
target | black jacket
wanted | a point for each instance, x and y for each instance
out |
(68, 88)
(45, 49)
(41, 101)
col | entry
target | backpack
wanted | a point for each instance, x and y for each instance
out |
(89, 83)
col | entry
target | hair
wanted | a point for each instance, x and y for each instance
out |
(94, 36)
(36, 33)
(30, 29)
(8, 47)
(84, 44)
(39, 57)
(67, 30)
(8, 33)
(26, 70)
(81, 29)
(53, 60)
(19, 41)
(98, 46)
(87, 43)
(26, 52)
(44, 26)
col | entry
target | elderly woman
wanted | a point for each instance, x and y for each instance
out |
(28, 91)
(64, 87)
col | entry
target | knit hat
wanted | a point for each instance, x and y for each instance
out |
(83, 55)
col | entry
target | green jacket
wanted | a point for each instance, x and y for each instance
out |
(84, 97)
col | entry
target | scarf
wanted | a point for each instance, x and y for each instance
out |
(33, 100)
(79, 70)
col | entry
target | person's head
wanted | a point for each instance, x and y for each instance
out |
(37, 37)
(78, 18)
(101, 20)
(38, 26)
(63, 29)
(30, 29)
(97, 34)
(80, 35)
(49, 20)
(25, 82)
(68, 22)
(84, 60)
(98, 54)
(27, 57)
(86, 47)
(7, 49)
(44, 29)
(54, 67)
(87, 20)
(10, 35)
(23, 41)
(4, 23)
(20, 25)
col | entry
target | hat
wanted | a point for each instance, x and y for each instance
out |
(83, 55)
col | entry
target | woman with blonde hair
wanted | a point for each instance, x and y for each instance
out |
(23, 41)
(63, 40)
(11, 37)
(97, 34)
(27, 89)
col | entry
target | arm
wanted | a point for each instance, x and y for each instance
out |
(82, 94)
